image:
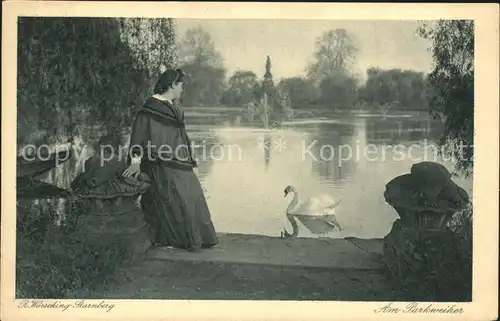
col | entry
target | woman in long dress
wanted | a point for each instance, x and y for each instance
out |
(174, 205)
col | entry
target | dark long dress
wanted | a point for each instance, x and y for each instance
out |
(174, 205)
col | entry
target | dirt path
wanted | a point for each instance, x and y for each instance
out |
(259, 268)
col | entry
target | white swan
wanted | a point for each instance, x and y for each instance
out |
(317, 213)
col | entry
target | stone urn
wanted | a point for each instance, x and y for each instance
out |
(425, 200)
(108, 207)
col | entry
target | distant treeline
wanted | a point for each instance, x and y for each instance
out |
(401, 89)
(329, 82)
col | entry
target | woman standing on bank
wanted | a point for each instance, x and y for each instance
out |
(174, 205)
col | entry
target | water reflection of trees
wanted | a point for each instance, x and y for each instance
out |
(348, 141)
(382, 131)
(333, 152)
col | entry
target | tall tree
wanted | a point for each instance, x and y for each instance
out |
(452, 86)
(204, 67)
(197, 47)
(335, 53)
(243, 88)
(63, 84)
(152, 44)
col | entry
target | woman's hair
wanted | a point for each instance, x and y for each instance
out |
(167, 79)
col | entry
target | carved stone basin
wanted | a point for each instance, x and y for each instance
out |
(426, 197)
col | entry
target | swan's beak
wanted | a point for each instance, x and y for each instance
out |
(286, 193)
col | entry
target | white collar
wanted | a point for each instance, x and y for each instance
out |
(162, 99)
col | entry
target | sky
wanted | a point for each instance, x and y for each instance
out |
(244, 43)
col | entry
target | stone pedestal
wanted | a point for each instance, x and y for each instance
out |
(116, 222)
(108, 211)
(426, 199)
(419, 258)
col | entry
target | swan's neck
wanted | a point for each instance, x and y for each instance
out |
(293, 203)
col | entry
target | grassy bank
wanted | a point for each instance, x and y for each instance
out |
(52, 263)
(62, 267)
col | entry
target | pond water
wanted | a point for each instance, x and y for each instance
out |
(244, 170)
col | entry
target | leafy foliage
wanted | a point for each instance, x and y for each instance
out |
(301, 91)
(452, 86)
(85, 71)
(204, 86)
(407, 88)
(338, 91)
(152, 43)
(442, 268)
(243, 89)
